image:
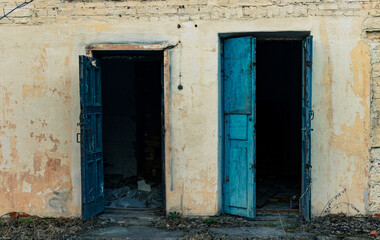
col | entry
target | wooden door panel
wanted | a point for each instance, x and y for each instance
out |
(238, 70)
(238, 176)
(91, 145)
(239, 118)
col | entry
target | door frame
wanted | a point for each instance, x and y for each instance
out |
(165, 100)
(297, 35)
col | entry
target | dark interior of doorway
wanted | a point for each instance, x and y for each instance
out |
(278, 123)
(131, 98)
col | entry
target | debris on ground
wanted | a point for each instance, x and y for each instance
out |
(374, 233)
(189, 223)
(340, 224)
(144, 196)
(143, 186)
(23, 226)
(123, 198)
(204, 235)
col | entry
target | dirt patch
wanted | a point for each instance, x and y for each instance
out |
(189, 223)
(30, 227)
(341, 225)
(22, 226)
(203, 235)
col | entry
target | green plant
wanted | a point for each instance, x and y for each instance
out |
(26, 220)
(210, 220)
(174, 214)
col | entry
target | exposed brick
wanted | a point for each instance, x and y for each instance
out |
(190, 10)
(328, 6)
(350, 6)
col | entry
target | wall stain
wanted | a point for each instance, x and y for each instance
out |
(39, 86)
(33, 91)
(14, 152)
(361, 65)
(358, 132)
(40, 137)
(99, 27)
(327, 76)
(56, 176)
(39, 183)
(67, 61)
(37, 161)
(56, 142)
(354, 138)
(63, 93)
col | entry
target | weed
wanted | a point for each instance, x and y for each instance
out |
(174, 214)
(210, 220)
(26, 220)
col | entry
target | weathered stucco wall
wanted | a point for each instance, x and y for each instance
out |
(39, 96)
(372, 29)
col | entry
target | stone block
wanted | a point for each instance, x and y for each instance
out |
(328, 6)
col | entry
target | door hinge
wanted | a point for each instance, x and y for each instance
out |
(253, 63)
(308, 63)
(253, 166)
(307, 166)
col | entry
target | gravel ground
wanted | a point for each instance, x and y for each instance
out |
(22, 226)
(184, 224)
(341, 225)
(204, 235)
(29, 227)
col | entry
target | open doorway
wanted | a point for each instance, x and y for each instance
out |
(131, 83)
(278, 124)
(267, 113)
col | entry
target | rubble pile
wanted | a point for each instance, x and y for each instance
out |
(144, 196)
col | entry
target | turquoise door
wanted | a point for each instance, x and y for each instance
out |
(239, 126)
(91, 138)
(307, 116)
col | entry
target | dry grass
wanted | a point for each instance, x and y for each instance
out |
(43, 228)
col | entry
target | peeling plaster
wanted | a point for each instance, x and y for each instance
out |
(39, 107)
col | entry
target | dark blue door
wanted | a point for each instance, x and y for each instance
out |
(91, 138)
(307, 115)
(239, 126)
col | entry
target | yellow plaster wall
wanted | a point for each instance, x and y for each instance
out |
(39, 103)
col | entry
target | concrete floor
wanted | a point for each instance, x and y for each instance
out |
(140, 225)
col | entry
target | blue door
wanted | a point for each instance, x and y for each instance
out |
(239, 126)
(91, 138)
(307, 116)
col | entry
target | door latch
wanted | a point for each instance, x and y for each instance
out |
(79, 138)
